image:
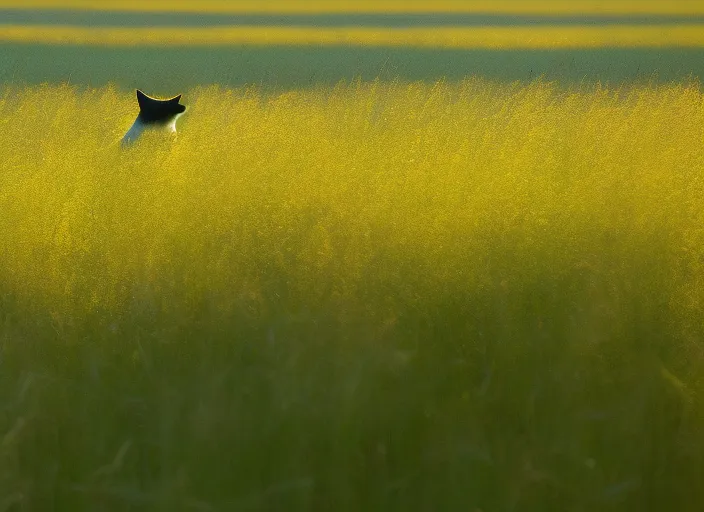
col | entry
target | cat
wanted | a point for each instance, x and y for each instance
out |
(154, 114)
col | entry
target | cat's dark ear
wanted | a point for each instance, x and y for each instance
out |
(141, 98)
(176, 99)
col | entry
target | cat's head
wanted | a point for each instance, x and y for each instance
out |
(157, 111)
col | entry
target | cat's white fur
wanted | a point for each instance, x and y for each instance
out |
(138, 128)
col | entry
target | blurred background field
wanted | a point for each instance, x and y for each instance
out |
(551, 7)
(564, 41)
(168, 70)
(363, 277)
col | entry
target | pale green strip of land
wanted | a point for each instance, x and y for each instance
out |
(518, 7)
(544, 37)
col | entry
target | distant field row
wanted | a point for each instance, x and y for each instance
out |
(82, 17)
(547, 7)
(519, 37)
(170, 69)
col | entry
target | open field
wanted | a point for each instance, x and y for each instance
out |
(292, 49)
(402, 256)
(375, 296)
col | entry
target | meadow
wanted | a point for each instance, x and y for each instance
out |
(382, 295)
(401, 255)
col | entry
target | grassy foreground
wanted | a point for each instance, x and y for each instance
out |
(378, 296)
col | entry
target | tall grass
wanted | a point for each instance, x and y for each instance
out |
(376, 296)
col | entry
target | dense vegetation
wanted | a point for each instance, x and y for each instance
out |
(378, 296)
